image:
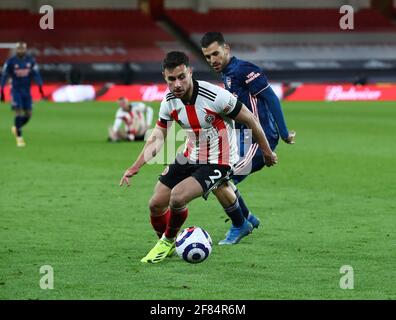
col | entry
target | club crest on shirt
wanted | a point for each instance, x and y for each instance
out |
(209, 118)
(16, 66)
(228, 82)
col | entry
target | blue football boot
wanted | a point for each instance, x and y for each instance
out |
(234, 235)
(253, 220)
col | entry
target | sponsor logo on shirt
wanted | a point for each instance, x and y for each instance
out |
(22, 72)
(229, 105)
(251, 76)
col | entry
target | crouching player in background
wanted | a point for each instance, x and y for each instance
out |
(136, 117)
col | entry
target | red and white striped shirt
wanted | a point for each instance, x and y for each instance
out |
(206, 119)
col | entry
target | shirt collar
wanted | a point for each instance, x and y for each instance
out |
(228, 66)
(194, 94)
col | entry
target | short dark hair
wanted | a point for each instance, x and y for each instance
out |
(211, 37)
(174, 59)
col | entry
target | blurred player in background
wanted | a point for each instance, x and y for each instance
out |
(206, 112)
(248, 83)
(21, 68)
(136, 118)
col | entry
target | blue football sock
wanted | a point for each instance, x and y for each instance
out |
(18, 124)
(244, 208)
(25, 120)
(235, 213)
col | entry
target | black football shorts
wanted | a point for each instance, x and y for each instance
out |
(209, 176)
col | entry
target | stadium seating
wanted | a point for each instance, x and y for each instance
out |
(275, 20)
(136, 37)
(278, 39)
(87, 31)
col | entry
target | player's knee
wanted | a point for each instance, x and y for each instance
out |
(155, 206)
(177, 199)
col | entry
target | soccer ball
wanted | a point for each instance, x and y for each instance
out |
(193, 245)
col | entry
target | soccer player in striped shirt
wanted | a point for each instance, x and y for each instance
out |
(248, 83)
(206, 112)
(136, 118)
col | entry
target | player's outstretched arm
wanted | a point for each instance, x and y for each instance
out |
(291, 139)
(273, 103)
(246, 117)
(153, 145)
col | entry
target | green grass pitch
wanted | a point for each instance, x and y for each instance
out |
(329, 202)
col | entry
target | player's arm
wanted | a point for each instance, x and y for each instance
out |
(117, 124)
(4, 76)
(247, 118)
(37, 78)
(258, 86)
(117, 121)
(273, 103)
(153, 145)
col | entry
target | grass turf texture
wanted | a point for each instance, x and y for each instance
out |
(330, 202)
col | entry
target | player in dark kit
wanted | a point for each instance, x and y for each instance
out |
(21, 68)
(248, 83)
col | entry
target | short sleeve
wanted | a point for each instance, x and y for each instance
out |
(35, 66)
(253, 77)
(6, 67)
(225, 102)
(164, 115)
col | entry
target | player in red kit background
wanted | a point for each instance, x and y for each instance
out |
(136, 117)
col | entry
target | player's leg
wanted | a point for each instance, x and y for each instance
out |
(27, 105)
(116, 136)
(27, 115)
(159, 219)
(241, 227)
(244, 169)
(253, 161)
(228, 200)
(160, 214)
(159, 208)
(17, 105)
(112, 135)
(181, 195)
(18, 119)
(17, 128)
